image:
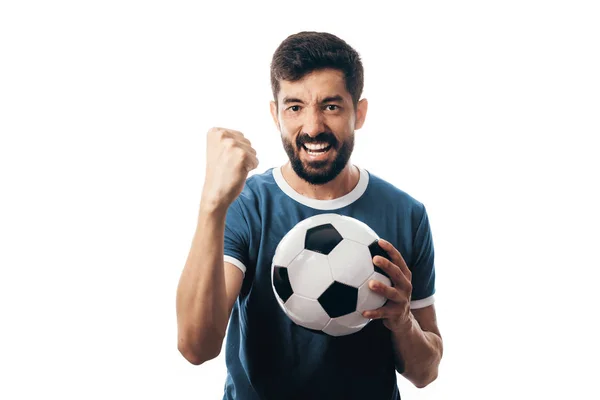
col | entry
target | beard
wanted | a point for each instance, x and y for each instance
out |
(318, 172)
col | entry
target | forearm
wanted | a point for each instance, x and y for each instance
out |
(418, 353)
(202, 314)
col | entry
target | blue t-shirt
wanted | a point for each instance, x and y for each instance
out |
(268, 356)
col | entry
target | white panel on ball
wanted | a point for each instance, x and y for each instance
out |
(306, 312)
(334, 328)
(289, 247)
(353, 229)
(351, 263)
(367, 299)
(333, 271)
(310, 274)
(352, 320)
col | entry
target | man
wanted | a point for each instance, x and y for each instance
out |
(317, 81)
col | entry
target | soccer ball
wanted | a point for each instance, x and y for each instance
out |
(321, 270)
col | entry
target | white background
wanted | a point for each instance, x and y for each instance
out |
(487, 112)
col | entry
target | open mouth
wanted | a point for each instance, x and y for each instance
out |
(316, 149)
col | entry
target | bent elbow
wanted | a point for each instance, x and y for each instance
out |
(198, 357)
(200, 351)
(422, 383)
(191, 357)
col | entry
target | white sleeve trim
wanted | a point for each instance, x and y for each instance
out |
(426, 302)
(235, 262)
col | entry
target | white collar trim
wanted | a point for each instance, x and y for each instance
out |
(332, 204)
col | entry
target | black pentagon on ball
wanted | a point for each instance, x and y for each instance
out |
(339, 299)
(322, 239)
(281, 282)
(376, 250)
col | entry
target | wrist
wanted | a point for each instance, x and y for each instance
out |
(404, 326)
(212, 207)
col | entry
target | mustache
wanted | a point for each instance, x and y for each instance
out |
(323, 137)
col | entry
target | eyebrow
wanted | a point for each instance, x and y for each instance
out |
(330, 99)
(333, 99)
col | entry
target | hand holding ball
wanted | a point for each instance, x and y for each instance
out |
(321, 270)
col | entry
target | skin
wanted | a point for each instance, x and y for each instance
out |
(303, 110)
(209, 287)
(318, 107)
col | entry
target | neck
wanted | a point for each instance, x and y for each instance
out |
(338, 187)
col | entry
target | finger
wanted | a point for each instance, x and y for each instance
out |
(390, 293)
(231, 134)
(389, 310)
(227, 132)
(245, 141)
(251, 163)
(230, 144)
(240, 138)
(395, 256)
(247, 147)
(396, 275)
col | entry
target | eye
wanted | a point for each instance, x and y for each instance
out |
(332, 107)
(294, 108)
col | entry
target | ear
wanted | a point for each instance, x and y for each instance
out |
(274, 114)
(361, 113)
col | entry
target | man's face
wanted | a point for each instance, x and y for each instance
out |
(317, 120)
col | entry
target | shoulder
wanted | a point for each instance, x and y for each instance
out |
(382, 192)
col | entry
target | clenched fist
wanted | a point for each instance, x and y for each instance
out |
(229, 159)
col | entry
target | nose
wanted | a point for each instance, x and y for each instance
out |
(313, 122)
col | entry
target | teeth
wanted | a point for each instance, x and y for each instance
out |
(316, 146)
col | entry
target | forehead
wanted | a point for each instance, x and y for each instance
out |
(315, 85)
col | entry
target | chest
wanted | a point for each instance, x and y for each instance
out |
(388, 225)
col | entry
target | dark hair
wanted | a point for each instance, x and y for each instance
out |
(305, 52)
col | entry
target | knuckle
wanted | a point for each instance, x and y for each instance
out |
(237, 134)
(241, 153)
(230, 142)
(242, 156)
(223, 133)
(215, 130)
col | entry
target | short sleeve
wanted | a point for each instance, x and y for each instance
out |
(236, 237)
(423, 265)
